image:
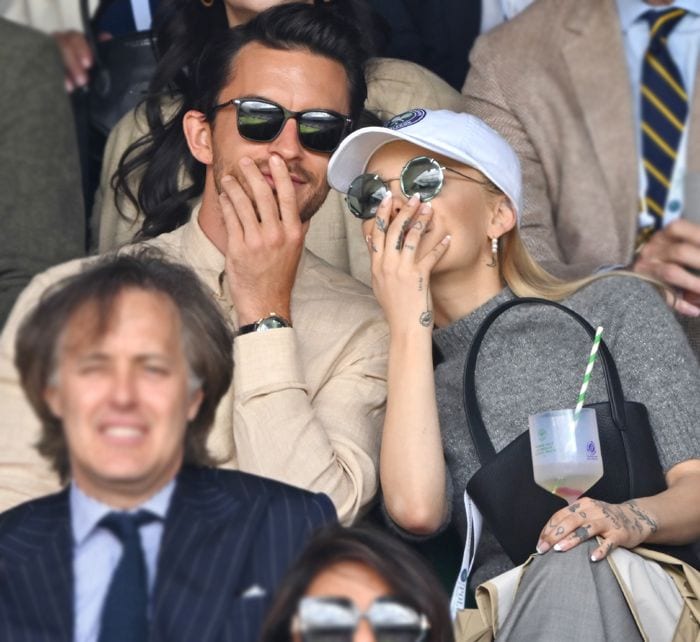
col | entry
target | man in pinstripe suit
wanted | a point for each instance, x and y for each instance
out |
(125, 364)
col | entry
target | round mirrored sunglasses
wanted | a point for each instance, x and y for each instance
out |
(421, 175)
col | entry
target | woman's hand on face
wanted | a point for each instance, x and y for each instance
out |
(619, 525)
(401, 266)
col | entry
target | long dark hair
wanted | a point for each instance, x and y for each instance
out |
(411, 581)
(196, 49)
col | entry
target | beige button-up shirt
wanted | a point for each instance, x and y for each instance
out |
(306, 405)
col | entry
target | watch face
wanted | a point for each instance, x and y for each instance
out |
(271, 323)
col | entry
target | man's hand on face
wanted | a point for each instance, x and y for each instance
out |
(265, 239)
(672, 255)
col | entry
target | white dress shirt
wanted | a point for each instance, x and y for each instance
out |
(96, 553)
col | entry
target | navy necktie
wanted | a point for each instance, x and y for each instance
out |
(664, 110)
(125, 610)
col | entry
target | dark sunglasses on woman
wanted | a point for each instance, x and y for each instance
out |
(261, 121)
(335, 619)
(421, 175)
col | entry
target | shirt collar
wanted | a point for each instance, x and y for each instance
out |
(86, 511)
(631, 10)
(205, 259)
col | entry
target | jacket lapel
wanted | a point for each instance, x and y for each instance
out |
(596, 60)
(207, 538)
(36, 577)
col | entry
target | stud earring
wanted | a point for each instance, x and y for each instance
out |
(494, 253)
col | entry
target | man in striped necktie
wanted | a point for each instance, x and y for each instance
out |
(600, 100)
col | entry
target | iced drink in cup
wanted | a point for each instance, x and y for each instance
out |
(566, 456)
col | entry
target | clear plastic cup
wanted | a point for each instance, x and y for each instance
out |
(566, 458)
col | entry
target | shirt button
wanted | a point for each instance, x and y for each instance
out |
(674, 206)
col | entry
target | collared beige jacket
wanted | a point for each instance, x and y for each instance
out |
(306, 405)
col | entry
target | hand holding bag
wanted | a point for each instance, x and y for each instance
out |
(504, 489)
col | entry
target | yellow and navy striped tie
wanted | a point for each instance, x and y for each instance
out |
(663, 113)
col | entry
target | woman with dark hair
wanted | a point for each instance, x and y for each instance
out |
(351, 581)
(148, 176)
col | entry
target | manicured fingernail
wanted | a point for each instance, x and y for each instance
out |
(247, 161)
(426, 208)
(557, 547)
(542, 547)
(414, 199)
(275, 160)
(446, 240)
(387, 197)
(594, 558)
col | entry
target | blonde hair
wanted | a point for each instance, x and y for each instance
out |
(526, 278)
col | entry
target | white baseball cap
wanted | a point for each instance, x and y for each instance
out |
(462, 137)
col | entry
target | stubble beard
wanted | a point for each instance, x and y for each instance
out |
(306, 209)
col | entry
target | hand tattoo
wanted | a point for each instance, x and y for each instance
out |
(426, 318)
(581, 532)
(402, 234)
(420, 284)
(574, 507)
(653, 526)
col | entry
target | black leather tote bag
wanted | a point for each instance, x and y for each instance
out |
(504, 489)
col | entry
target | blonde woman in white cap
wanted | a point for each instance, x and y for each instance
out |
(440, 193)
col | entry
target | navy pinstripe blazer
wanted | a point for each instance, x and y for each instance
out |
(224, 533)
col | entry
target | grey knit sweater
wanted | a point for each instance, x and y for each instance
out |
(533, 358)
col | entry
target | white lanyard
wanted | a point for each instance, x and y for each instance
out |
(474, 522)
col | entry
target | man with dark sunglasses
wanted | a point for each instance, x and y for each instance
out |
(307, 400)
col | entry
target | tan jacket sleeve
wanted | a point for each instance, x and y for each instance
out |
(110, 228)
(325, 441)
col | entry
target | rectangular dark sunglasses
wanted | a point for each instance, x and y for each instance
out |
(261, 121)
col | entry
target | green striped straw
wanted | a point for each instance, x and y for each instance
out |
(587, 375)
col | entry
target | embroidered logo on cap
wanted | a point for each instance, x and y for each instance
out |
(406, 119)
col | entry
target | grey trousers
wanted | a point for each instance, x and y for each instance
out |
(565, 596)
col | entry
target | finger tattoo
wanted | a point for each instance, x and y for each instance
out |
(574, 507)
(402, 234)
(559, 531)
(409, 247)
(380, 223)
(581, 532)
